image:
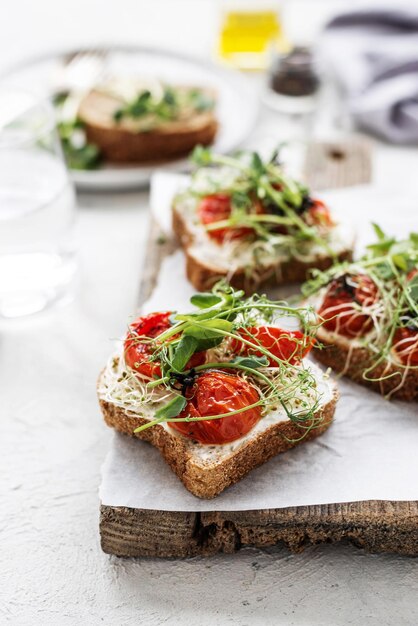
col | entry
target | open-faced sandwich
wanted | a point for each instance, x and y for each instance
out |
(219, 390)
(131, 121)
(369, 315)
(244, 220)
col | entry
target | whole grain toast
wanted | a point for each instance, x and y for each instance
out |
(121, 143)
(208, 478)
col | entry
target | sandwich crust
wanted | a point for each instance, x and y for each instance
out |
(398, 383)
(207, 479)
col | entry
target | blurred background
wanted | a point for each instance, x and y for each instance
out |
(187, 25)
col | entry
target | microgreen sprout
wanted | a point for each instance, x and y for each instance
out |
(170, 105)
(79, 153)
(254, 181)
(392, 265)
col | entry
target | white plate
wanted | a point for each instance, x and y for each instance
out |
(237, 102)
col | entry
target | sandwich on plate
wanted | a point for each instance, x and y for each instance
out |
(218, 390)
(133, 121)
(245, 220)
(368, 317)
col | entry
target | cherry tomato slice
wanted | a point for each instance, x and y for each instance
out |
(216, 393)
(319, 214)
(339, 309)
(215, 208)
(151, 325)
(412, 273)
(139, 352)
(405, 339)
(287, 345)
(405, 344)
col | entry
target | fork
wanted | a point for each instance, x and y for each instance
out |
(83, 70)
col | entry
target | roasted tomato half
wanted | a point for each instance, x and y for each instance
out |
(139, 350)
(342, 302)
(216, 393)
(218, 207)
(318, 214)
(405, 344)
(412, 273)
(286, 345)
(405, 339)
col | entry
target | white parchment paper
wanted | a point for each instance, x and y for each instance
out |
(370, 451)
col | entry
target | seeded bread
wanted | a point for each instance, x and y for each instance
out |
(402, 384)
(123, 143)
(203, 275)
(206, 478)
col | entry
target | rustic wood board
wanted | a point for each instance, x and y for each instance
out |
(376, 526)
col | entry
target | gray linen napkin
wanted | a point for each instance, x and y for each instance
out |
(374, 56)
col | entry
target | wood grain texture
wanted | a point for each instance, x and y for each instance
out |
(376, 526)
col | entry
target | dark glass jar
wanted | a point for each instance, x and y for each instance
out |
(295, 73)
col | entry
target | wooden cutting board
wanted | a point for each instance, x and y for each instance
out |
(376, 526)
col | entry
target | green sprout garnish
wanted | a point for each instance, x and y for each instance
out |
(79, 154)
(391, 264)
(254, 181)
(168, 107)
(214, 326)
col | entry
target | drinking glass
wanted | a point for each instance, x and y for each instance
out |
(37, 208)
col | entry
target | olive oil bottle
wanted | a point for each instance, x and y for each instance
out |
(249, 31)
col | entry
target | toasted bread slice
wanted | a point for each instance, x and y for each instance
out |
(349, 358)
(205, 264)
(127, 142)
(206, 470)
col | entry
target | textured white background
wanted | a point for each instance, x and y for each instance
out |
(53, 441)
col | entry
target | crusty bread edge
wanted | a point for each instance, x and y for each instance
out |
(122, 146)
(352, 364)
(209, 481)
(204, 276)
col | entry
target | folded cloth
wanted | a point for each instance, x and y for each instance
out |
(374, 56)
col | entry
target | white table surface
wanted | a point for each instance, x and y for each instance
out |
(53, 441)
